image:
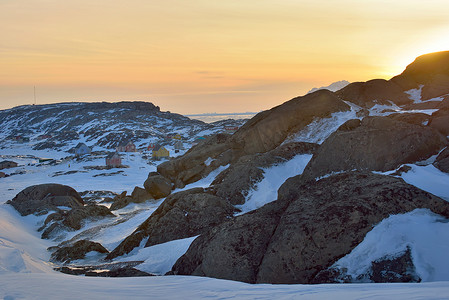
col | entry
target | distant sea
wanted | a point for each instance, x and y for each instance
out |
(214, 117)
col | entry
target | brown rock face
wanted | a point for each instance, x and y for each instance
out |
(45, 197)
(157, 186)
(378, 144)
(306, 230)
(268, 129)
(181, 215)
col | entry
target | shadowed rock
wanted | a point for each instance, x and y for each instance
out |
(306, 230)
(39, 199)
(157, 185)
(77, 251)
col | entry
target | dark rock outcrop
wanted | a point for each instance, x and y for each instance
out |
(77, 251)
(309, 227)
(181, 215)
(378, 144)
(42, 198)
(442, 161)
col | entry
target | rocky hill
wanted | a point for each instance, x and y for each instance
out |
(106, 125)
(339, 163)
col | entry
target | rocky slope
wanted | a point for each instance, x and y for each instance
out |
(320, 214)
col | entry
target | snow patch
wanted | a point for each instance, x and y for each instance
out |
(266, 190)
(320, 129)
(415, 94)
(426, 233)
(208, 161)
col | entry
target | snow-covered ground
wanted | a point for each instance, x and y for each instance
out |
(61, 286)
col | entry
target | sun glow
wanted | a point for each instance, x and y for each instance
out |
(436, 42)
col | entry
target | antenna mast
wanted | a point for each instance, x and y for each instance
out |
(34, 95)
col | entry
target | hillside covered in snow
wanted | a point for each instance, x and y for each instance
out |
(327, 188)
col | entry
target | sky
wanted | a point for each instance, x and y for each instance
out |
(202, 56)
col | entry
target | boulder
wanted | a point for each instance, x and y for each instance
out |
(442, 161)
(378, 144)
(138, 195)
(76, 251)
(73, 219)
(309, 227)
(268, 129)
(234, 183)
(181, 215)
(157, 185)
(39, 199)
(2, 175)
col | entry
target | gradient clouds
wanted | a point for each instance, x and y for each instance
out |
(199, 56)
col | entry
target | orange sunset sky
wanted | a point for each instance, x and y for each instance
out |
(200, 56)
